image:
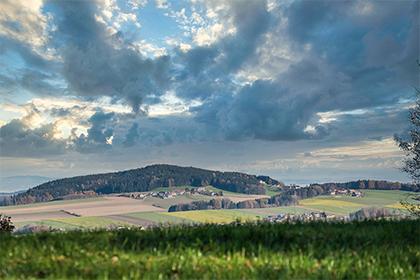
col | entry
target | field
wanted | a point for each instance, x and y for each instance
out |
(113, 211)
(364, 250)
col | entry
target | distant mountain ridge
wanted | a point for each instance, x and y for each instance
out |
(145, 179)
(12, 184)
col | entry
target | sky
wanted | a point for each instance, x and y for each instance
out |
(303, 91)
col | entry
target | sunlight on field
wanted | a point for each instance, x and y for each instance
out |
(212, 216)
(90, 222)
(157, 217)
(396, 206)
(333, 206)
(328, 202)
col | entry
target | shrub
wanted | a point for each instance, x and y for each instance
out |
(6, 224)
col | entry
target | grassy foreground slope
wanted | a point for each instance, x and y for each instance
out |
(374, 249)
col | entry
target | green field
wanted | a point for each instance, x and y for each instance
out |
(78, 223)
(158, 217)
(364, 250)
(213, 216)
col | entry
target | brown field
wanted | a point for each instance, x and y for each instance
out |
(38, 216)
(110, 205)
(244, 197)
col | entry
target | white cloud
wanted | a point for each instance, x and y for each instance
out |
(24, 21)
(171, 105)
(40, 111)
(207, 36)
(162, 4)
(148, 49)
(385, 148)
(111, 15)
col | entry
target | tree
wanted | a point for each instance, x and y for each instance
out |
(411, 147)
(6, 225)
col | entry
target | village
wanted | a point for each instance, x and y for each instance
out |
(348, 192)
(173, 193)
(305, 217)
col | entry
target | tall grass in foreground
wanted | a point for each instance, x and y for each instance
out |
(373, 249)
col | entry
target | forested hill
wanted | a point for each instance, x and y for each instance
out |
(144, 179)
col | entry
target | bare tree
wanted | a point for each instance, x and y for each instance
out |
(411, 146)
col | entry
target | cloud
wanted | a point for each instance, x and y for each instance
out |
(18, 140)
(336, 70)
(24, 22)
(99, 135)
(96, 64)
(132, 135)
(255, 71)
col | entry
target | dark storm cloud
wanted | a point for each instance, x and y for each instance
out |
(98, 64)
(132, 135)
(278, 109)
(31, 80)
(354, 62)
(360, 38)
(209, 70)
(18, 140)
(376, 124)
(98, 135)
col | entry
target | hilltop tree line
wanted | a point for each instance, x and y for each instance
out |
(225, 203)
(373, 185)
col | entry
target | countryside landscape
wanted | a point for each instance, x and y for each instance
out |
(144, 197)
(210, 139)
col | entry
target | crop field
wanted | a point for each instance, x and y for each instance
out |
(55, 202)
(110, 205)
(264, 212)
(158, 217)
(213, 216)
(79, 223)
(166, 203)
(342, 205)
(109, 211)
(363, 250)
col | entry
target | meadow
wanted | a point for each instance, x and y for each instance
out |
(362, 250)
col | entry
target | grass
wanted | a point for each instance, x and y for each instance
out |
(77, 223)
(212, 216)
(264, 212)
(166, 203)
(89, 222)
(271, 191)
(365, 250)
(158, 217)
(49, 223)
